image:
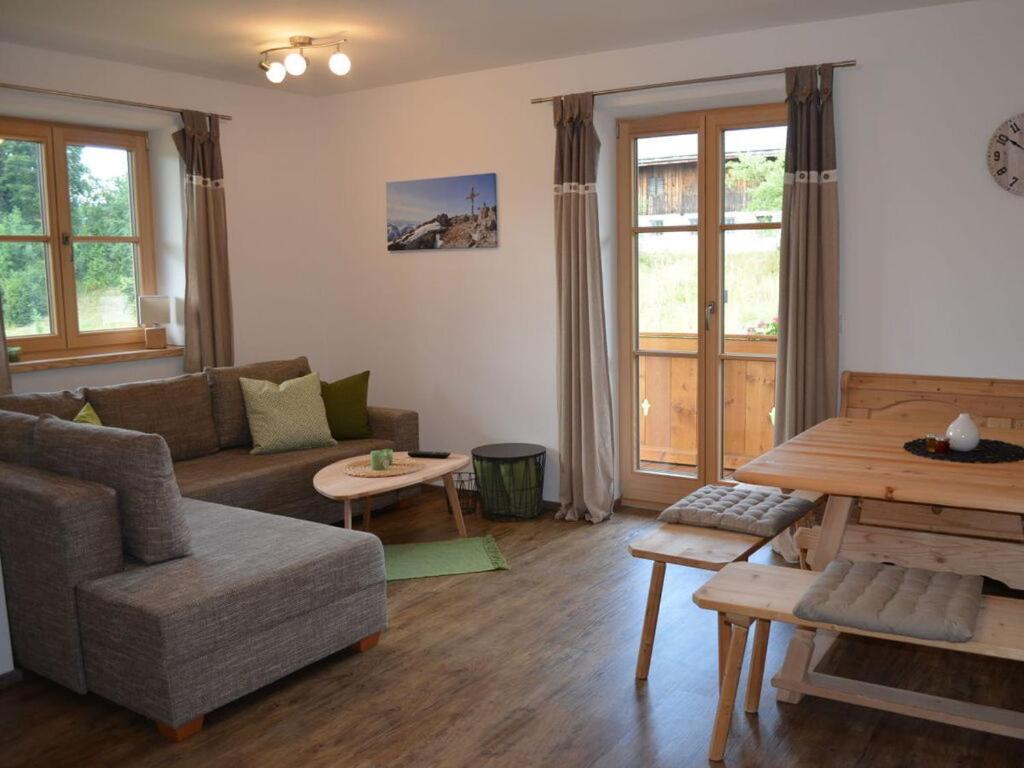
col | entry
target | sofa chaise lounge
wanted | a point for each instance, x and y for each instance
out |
(173, 603)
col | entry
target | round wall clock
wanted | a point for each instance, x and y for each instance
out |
(1006, 155)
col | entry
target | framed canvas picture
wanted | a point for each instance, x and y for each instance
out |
(449, 212)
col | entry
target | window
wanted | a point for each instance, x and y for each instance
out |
(698, 295)
(76, 246)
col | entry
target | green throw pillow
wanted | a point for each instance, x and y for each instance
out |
(345, 401)
(286, 417)
(88, 415)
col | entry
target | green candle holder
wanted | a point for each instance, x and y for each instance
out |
(379, 460)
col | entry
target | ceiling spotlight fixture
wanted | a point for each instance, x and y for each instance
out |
(295, 62)
(339, 63)
(274, 70)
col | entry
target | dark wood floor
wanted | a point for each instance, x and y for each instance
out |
(530, 667)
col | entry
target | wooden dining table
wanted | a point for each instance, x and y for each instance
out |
(860, 460)
(853, 458)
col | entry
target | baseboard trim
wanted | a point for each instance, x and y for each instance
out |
(13, 677)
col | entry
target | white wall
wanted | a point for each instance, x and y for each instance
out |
(274, 230)
(933, 263)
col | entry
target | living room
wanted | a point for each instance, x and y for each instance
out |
(533, 661)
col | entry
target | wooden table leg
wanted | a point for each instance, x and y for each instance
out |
(453, 500)
(643, 659)
(368, 513)
(348, 514)
(830, 538)
(798, 659)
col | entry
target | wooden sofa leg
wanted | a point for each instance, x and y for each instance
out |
(643, 660)
(182, 732)
(756, 675)
(731, 681)
(366, 643)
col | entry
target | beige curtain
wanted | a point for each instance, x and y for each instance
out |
(5, 369)
(209, 338)
(586, 450)
(808, 368)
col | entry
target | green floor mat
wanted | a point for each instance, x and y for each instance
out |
(443, 558)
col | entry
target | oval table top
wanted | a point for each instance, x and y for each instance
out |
(334, 483)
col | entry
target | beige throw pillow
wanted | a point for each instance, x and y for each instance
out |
(286, 417)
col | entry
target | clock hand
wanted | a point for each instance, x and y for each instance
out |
(1014, 143)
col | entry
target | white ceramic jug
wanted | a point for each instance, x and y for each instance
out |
(963, 433)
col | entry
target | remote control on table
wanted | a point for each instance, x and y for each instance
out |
(429, 454)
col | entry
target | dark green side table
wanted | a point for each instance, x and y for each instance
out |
(510, 479)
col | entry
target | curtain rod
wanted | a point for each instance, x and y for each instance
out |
(104, 99)
(694, 81)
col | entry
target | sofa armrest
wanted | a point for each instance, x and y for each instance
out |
(400, 426)
(55, 533)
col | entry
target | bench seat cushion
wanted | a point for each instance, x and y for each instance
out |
(891, 599)
(760, 512)
(263, 482)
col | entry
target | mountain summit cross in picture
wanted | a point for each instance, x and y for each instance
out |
(450, 212)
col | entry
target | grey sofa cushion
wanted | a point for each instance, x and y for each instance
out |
(16, 437)
(55, 533)
(263, 482)
(136, 465)
(261, 595)
(178, 409)
(228, 402)
(64, 405)
(400, 426)
(892, 599)
(745, 510)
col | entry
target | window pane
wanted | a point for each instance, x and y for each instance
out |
(748, 410)
(666, 415)
(667, 273)
(25, 282)
(99, 181)
(755, 163)
(21, 190)
(666, 180)
(751, 282)
(105, 281)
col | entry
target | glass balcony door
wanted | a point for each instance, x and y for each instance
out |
(698, 295)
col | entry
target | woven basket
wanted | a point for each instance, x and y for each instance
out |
(363, 468)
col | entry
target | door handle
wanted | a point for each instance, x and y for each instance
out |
(709, 310)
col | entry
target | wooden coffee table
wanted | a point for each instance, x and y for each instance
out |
(334, 483)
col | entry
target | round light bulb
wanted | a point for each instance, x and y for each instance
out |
(339, 63)
(295, 63)
(276, 72)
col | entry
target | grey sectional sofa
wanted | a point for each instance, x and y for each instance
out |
(174, 602)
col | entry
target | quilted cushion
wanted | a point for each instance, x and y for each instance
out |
(136, 465)
(178, 409)
(228, 403)
(877, 597)
(745, 510)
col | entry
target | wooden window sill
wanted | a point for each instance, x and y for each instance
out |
(44, 361)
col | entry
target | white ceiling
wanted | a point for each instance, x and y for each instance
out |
(391, 41)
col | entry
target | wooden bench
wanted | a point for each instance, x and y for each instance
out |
(709, 549)
(745, 593)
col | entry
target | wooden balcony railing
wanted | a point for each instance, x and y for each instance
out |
(668, 399)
